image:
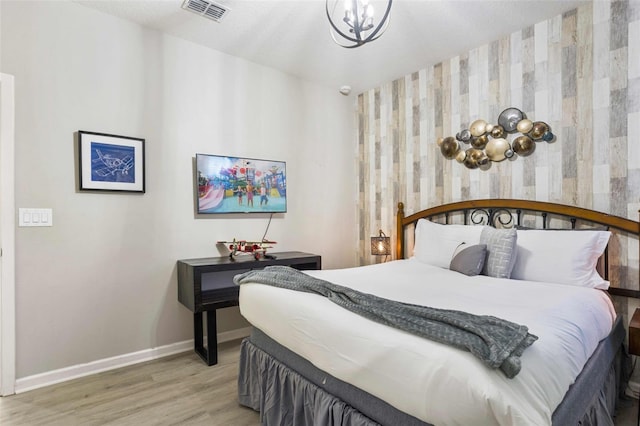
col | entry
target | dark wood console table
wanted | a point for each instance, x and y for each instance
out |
(206, 284)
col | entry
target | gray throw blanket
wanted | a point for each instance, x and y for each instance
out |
(496, 342)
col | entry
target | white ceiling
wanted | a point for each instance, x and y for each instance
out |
(293, 36)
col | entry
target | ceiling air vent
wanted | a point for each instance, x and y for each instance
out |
(207, 9)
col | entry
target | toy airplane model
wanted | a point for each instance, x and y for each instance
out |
(257, 248)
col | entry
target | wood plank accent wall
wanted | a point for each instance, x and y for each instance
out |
(579, 72)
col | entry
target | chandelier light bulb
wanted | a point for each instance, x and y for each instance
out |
(369, 11)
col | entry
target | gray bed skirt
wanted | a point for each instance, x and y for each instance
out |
(288, 390)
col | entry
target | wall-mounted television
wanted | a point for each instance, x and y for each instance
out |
(240, 185)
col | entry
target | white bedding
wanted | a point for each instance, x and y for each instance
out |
(431, 381)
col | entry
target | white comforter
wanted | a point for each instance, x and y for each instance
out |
(431, 381)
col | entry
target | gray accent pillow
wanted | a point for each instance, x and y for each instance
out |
(469, 260)
(501, 251)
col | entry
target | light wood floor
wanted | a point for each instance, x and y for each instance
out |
(177, 390)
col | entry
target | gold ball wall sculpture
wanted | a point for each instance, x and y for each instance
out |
(489, 142)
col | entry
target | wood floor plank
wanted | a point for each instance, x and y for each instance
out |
(176, 390)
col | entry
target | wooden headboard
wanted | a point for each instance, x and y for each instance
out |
(506, 213)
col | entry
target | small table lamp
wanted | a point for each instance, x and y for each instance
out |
(380, 245)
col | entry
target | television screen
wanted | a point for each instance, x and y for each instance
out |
(240, 185)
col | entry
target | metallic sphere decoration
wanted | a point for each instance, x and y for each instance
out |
(475, 158)
(509, 119)
(478, 128)
(480, 157)
(496, 149)
(539, 128)
(497, 132)
(524, 126)
(464, 135)
(548, 136)
(449, 147)
(490, 143)
(523, 146)
(479, 141)
(471, 159)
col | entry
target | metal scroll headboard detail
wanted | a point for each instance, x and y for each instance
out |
(503, 218)
(498, 218)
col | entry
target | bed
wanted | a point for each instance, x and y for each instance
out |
(312, 362)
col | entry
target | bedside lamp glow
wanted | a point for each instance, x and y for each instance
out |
(380, 245)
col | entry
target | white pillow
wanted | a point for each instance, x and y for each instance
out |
(565, 257)
(435, 243)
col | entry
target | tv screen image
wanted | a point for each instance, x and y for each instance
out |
(240, 185)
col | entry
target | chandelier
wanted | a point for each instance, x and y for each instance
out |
(355, 22)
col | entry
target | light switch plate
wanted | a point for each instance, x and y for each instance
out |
(35, 217)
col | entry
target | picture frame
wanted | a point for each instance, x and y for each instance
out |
(111, 162)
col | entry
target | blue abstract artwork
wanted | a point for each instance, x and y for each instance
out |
(112, 163)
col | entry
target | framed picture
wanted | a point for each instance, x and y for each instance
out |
(110, 162)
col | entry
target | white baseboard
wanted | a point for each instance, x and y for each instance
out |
(238, 333)
(48, 378)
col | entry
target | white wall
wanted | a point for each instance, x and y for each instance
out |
(102, 281)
